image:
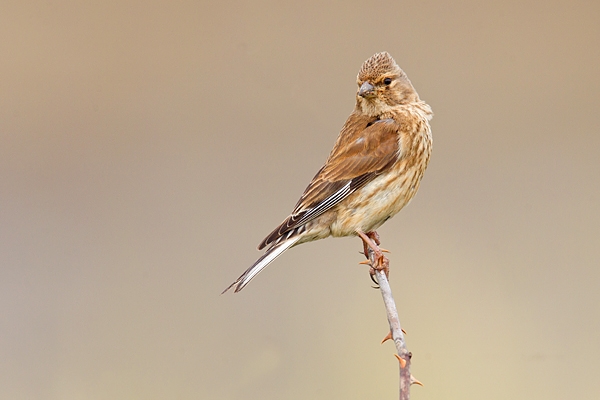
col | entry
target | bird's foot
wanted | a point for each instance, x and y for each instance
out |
(371, 243)
(381, 264)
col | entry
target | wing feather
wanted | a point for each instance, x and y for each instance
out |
(365, 148)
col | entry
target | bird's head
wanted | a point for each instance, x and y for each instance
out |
(382, 85)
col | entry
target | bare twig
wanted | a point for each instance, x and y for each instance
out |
(403, 356)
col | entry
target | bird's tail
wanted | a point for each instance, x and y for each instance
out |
(266, 259)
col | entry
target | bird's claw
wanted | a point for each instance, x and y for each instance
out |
(372, 275)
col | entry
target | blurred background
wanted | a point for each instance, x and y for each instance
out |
(148, 147)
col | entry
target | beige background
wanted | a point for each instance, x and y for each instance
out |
(146, 149)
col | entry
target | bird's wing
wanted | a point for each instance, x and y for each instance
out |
(360, 154)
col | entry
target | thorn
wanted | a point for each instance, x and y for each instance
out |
(384, 250)
(387, 337)
(401, 360)
(415, 381)
(366, 262)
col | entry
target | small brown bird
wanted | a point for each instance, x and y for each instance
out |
(374, 169)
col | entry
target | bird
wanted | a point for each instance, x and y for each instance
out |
(373, 171)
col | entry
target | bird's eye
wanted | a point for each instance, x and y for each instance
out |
(387, 81)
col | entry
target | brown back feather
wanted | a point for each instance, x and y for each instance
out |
(365, 148)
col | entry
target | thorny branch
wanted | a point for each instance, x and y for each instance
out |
(403, 356)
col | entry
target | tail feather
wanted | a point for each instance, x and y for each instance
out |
(260, 264)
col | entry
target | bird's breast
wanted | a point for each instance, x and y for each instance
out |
(382, 198)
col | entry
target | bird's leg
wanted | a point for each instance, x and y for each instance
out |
(371, 241)
(374, 236)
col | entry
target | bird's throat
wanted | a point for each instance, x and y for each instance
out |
(372, 107)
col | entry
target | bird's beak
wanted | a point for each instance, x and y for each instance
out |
(366, 90)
